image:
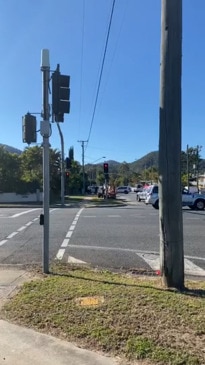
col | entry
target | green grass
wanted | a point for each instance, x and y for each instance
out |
(92, 200)
(138, 318)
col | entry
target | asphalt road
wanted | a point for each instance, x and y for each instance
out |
(110, 237)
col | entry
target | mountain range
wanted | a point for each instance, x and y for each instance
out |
(11, 149)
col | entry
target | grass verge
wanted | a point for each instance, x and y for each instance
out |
(135, 318)
(93, 200)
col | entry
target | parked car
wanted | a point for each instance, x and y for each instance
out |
(138, 188)
(194, 201)
(92, 189)
(151, 194)
(141, 195)
(122, 189)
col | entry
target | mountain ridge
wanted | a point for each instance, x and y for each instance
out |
(11, 149)
(145, 162)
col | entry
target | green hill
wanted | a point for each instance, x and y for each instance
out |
(145, 162)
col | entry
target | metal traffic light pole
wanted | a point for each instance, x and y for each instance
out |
(45, 132)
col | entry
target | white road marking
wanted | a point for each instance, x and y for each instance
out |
(154, 262)
(151, 258)
(89, 216)
(2, 242)
(103, 248)
(35, 219)
(131, 250)
(191, 218)
(60, 254)
(192, 269)
(21, 228)
(69, 234)
(25, 212)
(12, 235)
(73, 260)
(195, 258)
(65, 242)
(114, 216)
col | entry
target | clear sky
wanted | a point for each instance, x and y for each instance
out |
(125, 124)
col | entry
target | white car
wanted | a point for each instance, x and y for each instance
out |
(122, 189)
(152, 195)
(194, 201)
(141, 195)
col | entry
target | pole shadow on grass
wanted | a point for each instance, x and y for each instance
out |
(198, 293)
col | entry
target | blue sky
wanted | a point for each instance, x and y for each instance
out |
(126, 121)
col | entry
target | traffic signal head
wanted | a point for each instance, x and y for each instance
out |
(60, 95)
(29, 128)
(105, 165)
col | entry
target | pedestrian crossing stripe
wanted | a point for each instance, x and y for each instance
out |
(153, 260)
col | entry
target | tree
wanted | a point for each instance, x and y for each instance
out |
(75, 179)
(124, 171)
(32, 170)
(10, 173)
(71, 153)
(191, 164)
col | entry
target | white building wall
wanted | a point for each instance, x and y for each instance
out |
(21, 198)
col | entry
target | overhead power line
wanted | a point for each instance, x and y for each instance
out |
(101, 71)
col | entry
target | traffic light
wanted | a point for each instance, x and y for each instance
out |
(29, 128)
(60, 95)
(105, 168)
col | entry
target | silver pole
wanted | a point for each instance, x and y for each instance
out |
(45, 132)
(187, 153)
(83, 164)
(62, 166)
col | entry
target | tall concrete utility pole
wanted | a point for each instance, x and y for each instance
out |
(45, 132)
(83, 163)
(170, 198)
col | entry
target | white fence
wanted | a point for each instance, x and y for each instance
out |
(21, 198)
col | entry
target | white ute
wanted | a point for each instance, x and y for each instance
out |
(194, 201)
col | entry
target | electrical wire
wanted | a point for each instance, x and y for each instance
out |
(101, 72)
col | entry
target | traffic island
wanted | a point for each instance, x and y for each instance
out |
(130, 317)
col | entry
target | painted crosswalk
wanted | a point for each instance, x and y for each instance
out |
(153, 260)
(150, 259)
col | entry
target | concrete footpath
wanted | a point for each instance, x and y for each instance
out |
(23, 346)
